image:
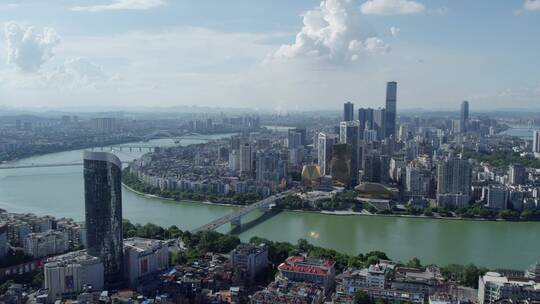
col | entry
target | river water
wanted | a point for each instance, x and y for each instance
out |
(58, 191)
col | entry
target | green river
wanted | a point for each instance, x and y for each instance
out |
(58, 191)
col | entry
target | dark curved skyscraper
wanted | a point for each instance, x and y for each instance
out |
(103, 208)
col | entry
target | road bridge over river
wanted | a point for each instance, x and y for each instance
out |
(235, 217)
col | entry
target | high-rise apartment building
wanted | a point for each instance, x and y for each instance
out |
(454, 178)
(245, 158)
(536, 143)
(103, 212)
(348, 111)
(516, 174)
(391, 109)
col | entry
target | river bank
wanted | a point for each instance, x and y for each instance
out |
(327, 212)
(173, 200)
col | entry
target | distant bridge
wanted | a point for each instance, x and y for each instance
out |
(44, 165)
(235, 217)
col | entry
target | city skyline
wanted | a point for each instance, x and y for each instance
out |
(279, 57)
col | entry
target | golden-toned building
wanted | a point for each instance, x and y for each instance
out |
(311, 176)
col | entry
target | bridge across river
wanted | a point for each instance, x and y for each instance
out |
(45, 165)
(237, 215)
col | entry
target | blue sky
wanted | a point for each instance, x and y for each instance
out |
(277, 55)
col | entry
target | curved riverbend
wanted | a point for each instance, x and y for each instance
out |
(59, 192)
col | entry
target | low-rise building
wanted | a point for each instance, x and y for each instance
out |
(302, 269)
(144, 258)
(68, 274)
(285, 291)
(493, 287)
(250, 259)
(428, 280)
(376, 276)
(43, 244)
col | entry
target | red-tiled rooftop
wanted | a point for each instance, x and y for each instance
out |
(312, 266)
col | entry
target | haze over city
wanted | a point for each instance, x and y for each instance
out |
(277, 55)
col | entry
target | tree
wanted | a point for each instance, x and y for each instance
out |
(414, 263)
(509, 215)
(361, 297)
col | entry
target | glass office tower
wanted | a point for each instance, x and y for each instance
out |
(103, 208)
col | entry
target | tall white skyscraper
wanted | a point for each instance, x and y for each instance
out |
(536, 143)
(325, 142)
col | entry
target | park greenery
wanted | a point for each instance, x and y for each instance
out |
(196, 245)
(344, 200)
(134, 183)
(502, 159)
(475, 211)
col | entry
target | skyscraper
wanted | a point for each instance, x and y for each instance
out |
(365, 117)
(464, 117)
(516, 174)
(536, 143)
(379, 123)
(103, 212)
(245, 159)
(391, 109)
(296, 137)
(348, 111)
(349, 133)
(325, 143)
(341, 164)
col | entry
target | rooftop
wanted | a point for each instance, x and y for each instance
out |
(307, 265)
(75, 257)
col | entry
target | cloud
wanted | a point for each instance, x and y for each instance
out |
(391, 7)
(78, 73)
(394, 31)
(532, 5)
(27, 48)
(333, 31)
(121, 5)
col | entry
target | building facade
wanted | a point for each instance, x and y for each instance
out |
(67, 275)
(144, 258)
(103, 211)
(391, 109)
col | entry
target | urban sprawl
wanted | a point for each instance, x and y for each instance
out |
(369, 162)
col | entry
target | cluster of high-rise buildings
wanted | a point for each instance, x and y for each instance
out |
(344, 155)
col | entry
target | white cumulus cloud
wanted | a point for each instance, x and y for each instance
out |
(394, 31)
(77, 73)
(121, 5)
(333, 31)
(391, 7)
(28, 48)
(532, 5)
